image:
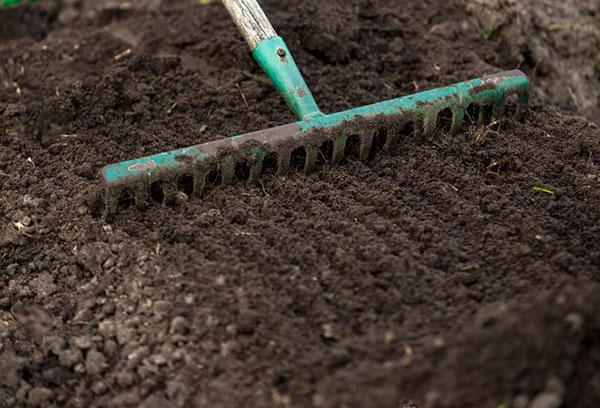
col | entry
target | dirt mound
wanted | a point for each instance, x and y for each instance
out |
(555, 42)
(499, 351)
(27, 21)
(504, 354)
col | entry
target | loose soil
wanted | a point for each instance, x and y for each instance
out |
(557, 42)
(434, 277)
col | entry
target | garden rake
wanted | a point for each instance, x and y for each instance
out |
(315, 139)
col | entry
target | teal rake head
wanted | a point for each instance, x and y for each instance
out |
(314, 139)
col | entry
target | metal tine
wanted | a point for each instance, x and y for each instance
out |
(458, 115)
(376, 142)
(386, 139)
(141, 197)
(484, 114)
(418, 126)
(227, 171)
(256, 168)
(170, 191)
(366, 141)
(480, 114)
(498, 109)
(283, 163)
(112, 201)
(339, 148)
(392, 138)
(312, 153)
(523, 100)
(199, 183)
(429, 122)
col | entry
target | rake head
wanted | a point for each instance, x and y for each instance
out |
(190, 172)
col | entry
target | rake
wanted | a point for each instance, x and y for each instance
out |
(315, 139)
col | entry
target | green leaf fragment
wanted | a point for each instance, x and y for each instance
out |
(543, 190)
(10, 3)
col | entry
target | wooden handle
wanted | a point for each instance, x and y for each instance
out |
(250, 20)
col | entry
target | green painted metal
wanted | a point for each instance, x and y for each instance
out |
(11, 3)
(277, 61)
(492, 90)
(251, 149)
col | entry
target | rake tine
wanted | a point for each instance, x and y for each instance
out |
(227, 171)
(457, 120)
(141, 197)
(312, 154)
(339, 147)
(256, 158)
(429, 123)
(199, 180)
(283, 163)
(365, 146)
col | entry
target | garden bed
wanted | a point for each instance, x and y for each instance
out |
(459, 271)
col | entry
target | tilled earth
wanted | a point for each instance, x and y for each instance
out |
(434, 277)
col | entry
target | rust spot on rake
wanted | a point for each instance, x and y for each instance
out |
(488, 86)
(184, 158)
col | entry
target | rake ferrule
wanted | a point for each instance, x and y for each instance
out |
(277, 61)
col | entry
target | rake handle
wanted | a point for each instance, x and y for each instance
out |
(250, 20)
(273, 56)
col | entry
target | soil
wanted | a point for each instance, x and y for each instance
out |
(458, 272)
(556, 41)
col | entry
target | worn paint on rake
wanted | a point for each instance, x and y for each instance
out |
(222, 156)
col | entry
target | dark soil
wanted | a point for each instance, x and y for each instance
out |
(557, 42)
(435, 277)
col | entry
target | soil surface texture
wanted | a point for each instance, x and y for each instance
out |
(459, 271)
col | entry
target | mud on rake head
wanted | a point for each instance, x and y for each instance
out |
(191, 171)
